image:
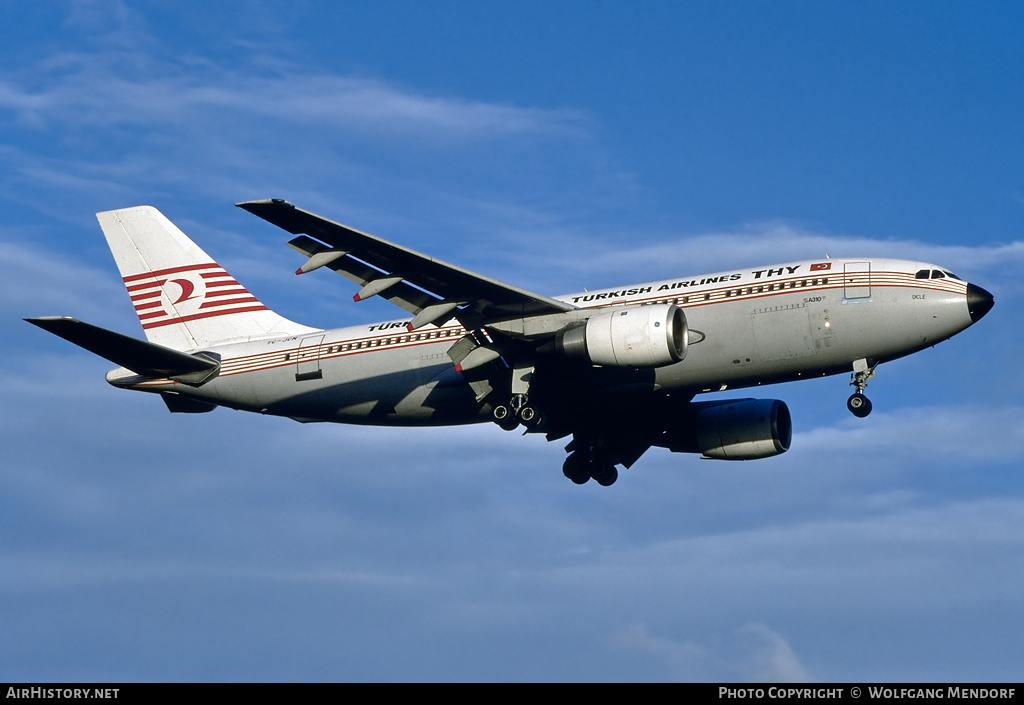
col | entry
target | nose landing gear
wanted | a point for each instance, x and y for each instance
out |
(858, 404)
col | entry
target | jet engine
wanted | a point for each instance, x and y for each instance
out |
(737, 429)
(634, 336)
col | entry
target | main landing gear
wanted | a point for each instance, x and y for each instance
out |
(581, 466)
(517, 411)
(589, 459)
(858, 404)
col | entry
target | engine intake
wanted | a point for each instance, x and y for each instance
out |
(634, 336)
(737, 429)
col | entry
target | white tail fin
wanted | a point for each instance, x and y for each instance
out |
(183, 298)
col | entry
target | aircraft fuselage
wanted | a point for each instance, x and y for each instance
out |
(746, 327)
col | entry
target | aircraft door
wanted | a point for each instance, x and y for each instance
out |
(857, 280)
(308, 359)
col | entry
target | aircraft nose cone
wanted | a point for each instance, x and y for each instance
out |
(979, 302)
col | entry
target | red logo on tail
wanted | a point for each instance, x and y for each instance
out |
(206, 291)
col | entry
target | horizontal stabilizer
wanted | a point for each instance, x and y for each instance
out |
(139, 356)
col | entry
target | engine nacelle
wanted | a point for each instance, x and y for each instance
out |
(633, 336)
(737, 429)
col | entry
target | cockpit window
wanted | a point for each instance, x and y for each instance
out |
(935, 274)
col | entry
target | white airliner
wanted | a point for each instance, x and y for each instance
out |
(616, 369)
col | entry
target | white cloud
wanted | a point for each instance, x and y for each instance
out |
(605, 258)
(968, 433)
(84, 92)
(686, 661)
(774, 660)
(752, 653)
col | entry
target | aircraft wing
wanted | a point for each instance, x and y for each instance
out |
(431, 290)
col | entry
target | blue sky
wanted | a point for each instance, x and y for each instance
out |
(556, 146)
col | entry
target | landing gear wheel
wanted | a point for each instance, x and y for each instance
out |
(575, 470)
(530, 417)
(504, 417)
(607, 475)
(859, 405)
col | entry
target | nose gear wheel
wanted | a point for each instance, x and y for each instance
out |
(858, 404)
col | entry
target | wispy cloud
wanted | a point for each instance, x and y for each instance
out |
(686, 661)
(774, 660)
(991, 433)
(778, 242)
(97, 124)
(92, 91)
(752, 653)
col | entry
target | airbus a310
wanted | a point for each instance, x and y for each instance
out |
(618, 370)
